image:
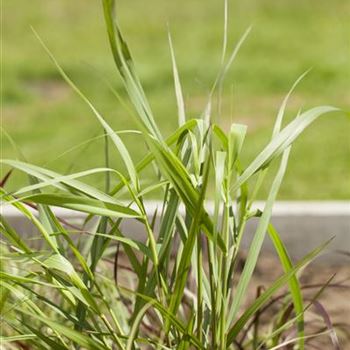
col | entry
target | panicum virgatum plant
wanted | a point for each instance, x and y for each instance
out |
(179, 285)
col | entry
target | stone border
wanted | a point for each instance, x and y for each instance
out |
(302, 225)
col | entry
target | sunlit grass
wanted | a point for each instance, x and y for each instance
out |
(179, 286)
(279, 49)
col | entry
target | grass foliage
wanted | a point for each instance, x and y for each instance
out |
(177, 287)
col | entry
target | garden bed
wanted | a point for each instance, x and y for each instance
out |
(333, 304)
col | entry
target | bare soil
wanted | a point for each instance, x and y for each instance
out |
(332, 306)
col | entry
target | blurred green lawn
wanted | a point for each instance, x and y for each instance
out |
(46, 118)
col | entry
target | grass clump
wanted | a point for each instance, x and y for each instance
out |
(177, 287)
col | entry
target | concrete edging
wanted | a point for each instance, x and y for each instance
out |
(302, 225)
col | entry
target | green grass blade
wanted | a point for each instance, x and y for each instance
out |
(294, 285)
(281, 141)
(257, 241)
(16, 338)
(124, 63)
(77, 337)
(135, 326)
(62, 182)
(185, 259)
(114, 137)
(259, 302)
(189, 125)
(63, 179)
(83, 204)
(46, 340)
(178, 89)
(281, 111)
(170, 318)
